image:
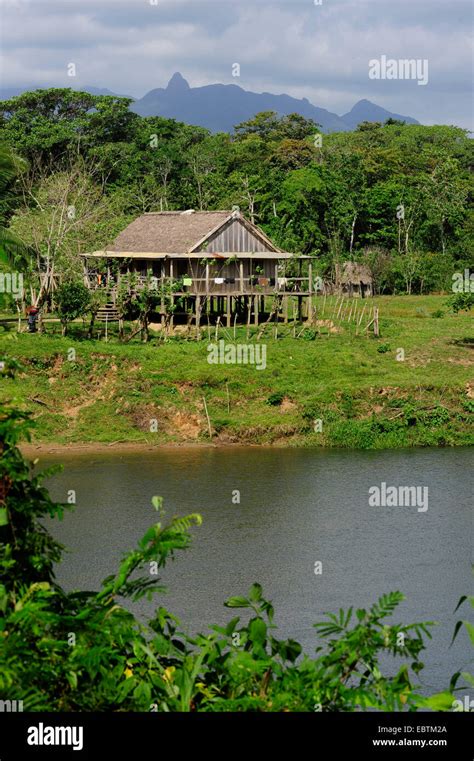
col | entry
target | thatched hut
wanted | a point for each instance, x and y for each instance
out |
(354, 279)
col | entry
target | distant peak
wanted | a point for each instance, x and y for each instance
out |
(177, 82)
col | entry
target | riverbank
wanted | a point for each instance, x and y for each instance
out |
(412, 386)
(36, 449)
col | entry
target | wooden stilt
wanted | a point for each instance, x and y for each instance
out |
(229, 307)
(198, 317)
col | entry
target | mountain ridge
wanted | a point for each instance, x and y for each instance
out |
(219, 107)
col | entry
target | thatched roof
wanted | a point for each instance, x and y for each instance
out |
(175, 232)
(170, 232)
(354, 273)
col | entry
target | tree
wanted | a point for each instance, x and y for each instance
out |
(72, 300)
(202, 163)
(445, 193)
(62, 216)
(268, 125)
(11, 248)
(408, 265)
(47, 126)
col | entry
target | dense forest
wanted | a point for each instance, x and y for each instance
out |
(397, 197)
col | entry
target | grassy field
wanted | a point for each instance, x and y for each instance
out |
(156, 393)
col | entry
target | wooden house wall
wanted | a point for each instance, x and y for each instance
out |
(234, 236)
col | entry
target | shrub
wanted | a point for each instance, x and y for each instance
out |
(73, 301)
(275, 399)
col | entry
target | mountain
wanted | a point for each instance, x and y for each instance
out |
(365, 111)
(221, 107)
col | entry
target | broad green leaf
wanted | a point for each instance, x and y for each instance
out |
(237, 602)
(258, 631)
(442, 701)
(255, 593)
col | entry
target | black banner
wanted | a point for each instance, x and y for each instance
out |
(101, 736)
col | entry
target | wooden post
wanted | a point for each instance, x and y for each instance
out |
(255, 310)
(229, 309)
(198, 317)
(241, 273)
(208, 418)
(310, 288)
(285, 308)
(376, 321)
(171, 297)
(162, 283)
(360, 319)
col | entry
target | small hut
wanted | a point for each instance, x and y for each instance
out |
(354, 279)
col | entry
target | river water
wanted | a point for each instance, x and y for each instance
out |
(298, 508)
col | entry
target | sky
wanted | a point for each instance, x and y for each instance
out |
(305, 48)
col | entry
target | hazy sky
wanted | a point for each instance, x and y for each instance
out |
(295, 46)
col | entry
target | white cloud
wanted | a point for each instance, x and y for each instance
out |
(318, 52)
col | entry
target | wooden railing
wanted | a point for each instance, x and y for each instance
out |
(251, 286)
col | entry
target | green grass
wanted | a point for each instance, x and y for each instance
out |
(363, 395)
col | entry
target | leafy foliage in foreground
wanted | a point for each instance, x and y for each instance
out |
(87, 651)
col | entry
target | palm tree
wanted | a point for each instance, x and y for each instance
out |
(12, 250)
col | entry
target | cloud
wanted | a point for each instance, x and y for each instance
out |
(316, 51)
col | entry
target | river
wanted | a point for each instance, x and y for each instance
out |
(298, 508)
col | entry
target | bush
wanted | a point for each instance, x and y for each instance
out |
(73, 301)
(275, 399)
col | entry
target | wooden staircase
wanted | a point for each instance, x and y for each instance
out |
(108, 313)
